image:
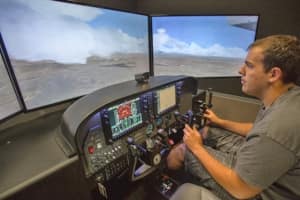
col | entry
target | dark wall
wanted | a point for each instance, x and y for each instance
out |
(129, 5)
(276, 16)
(229, 85)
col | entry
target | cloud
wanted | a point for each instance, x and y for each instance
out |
(84, 13)
(116, 41)
(162, 42)
(34, 36)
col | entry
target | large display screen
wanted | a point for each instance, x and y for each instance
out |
(8, 101)
(166, 99)
(62, 50)
(201, 46)
(125, 116)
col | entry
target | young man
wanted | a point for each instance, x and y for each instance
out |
(259, 160)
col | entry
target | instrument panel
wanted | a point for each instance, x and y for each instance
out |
(140, 114)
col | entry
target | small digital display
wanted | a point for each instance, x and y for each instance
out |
(124, 116)
(166, 98)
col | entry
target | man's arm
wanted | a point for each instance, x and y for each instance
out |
(236, 127)
(223, 175)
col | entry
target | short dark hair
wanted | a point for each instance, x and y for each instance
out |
(281, 51)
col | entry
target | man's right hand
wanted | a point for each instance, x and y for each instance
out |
(211, 117)
(241, 128)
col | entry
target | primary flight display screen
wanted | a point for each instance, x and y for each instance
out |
(166, 99)
(124, 117)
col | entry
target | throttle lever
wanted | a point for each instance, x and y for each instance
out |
(131, 142)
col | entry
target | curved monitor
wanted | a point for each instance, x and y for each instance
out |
(61, 50)
(9, 104)
(201, 46)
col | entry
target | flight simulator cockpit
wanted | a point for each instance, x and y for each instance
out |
(128, 129)
(119, 128)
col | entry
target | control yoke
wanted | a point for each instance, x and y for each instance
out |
(195, 117)
(146, 157)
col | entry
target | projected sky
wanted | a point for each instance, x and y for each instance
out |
(81, 30)
(201, 35)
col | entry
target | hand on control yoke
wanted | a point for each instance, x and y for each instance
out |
(211, 117)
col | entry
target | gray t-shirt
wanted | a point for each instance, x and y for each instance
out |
(270, 156)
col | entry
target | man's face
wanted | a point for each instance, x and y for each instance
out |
(254, 78)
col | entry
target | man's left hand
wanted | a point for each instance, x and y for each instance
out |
(192, 138)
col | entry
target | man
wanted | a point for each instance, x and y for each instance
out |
(262, 159)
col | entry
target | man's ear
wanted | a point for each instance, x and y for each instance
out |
(275, 74)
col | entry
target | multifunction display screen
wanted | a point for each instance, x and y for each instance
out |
(166, 98)
(124, 116)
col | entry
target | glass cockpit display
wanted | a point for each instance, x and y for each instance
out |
(124, 117)
(166, 99)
